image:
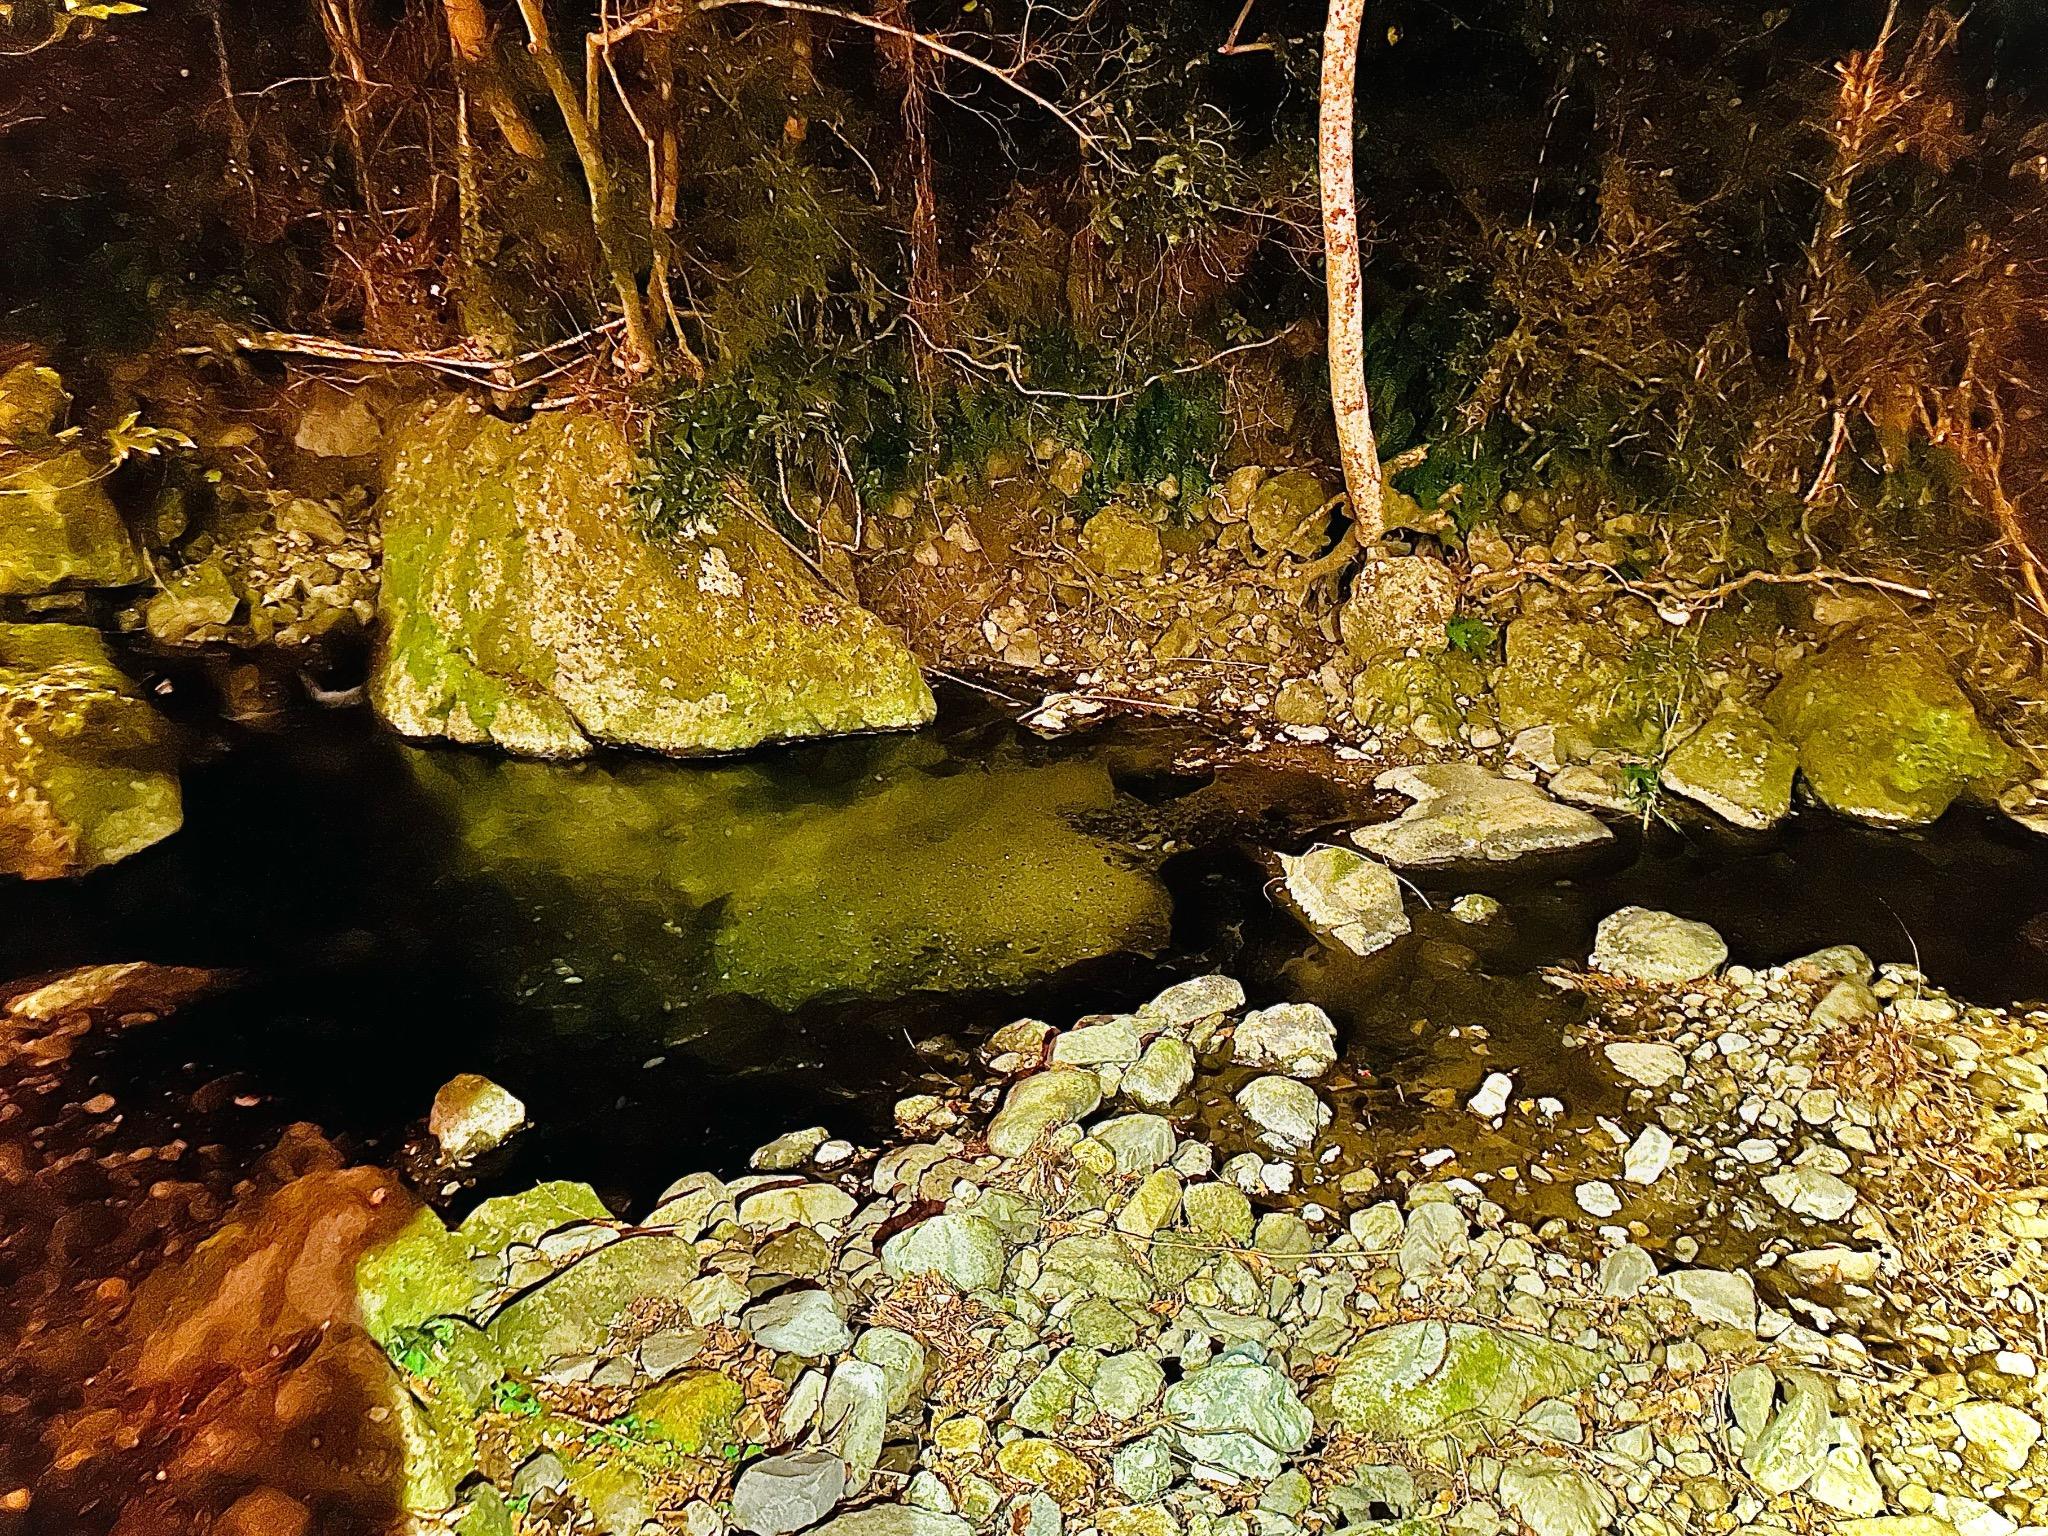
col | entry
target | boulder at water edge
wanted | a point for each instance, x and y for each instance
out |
(88, 771)
(58, 529)
(523, 607)
(1884, 733)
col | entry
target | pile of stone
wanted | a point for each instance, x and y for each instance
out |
(1110, 1308)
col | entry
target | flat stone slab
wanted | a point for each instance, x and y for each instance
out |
(1465, 815)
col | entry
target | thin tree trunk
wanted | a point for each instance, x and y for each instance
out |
(469, 38)
(597, 177)
(927, 282)
(1355, 446)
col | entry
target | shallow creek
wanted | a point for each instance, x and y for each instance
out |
(672, 963)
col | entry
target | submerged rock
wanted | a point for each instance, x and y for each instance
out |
(88, 770)
(1353, 899)
(1736, 766)
(1884, 733)
(521, 607)
(1463, 814)
(59, 528)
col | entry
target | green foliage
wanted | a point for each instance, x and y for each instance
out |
(421, 1351)
(797, 418)
(806, 417)
(1470, 635)
(515, 1398)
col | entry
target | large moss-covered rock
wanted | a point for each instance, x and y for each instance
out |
(1884, 733)
(522, 607)
(1562, 672)
(1414, 1379)
(57, 527)
(88, 770)
(1737, 767)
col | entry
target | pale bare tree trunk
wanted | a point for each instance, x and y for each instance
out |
(597, 176)
(469, 37)
(1363, 479)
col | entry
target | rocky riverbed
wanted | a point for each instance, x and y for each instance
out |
(1168, 1272)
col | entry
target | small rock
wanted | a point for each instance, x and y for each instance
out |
(2001, 1436)
(1110, 1043)
(473, 1115)
(1287, 1114)
(1597, 1198)
(966, 1252)
(1162, 1074)
(1238, 1414)
(1553, 1498)
(1354, 900)
(1810, 1192)
(1792, 1447)
(781, 1494)
(1189, 1002)
(1648, 1062)
(1491, 1101)
(790, 1151)
(1041, 1102)
(1643, 945)
(1295, 1038)
(854, 1417)
(1648, 1156)
(1475, 907)
(1718, 1296)
(806, 1323)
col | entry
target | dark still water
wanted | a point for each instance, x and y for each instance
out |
(671, 963)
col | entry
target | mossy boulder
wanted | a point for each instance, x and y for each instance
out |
(1290, 514)
(1563, 672)
(1884, 733)
(1422, 1378)
(694, 1412)
(88, 770)
(1736, 766)
(574, 1310)
(57, 526)
(420, 1273)
(523, 607)
(1117, 542)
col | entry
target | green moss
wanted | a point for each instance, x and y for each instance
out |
(1563, 672)
(1884, 732)
(421, 1273)
(693, 1412)
(522, 607)
(503, 1220)
(88, 770)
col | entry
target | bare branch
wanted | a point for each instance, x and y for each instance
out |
(1089, 141)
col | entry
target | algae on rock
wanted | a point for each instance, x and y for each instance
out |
(522, 607)
(1884, 732)
(1562, 672)
(57, 526)
(88, 770)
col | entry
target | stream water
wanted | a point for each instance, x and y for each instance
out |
(671, 963)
